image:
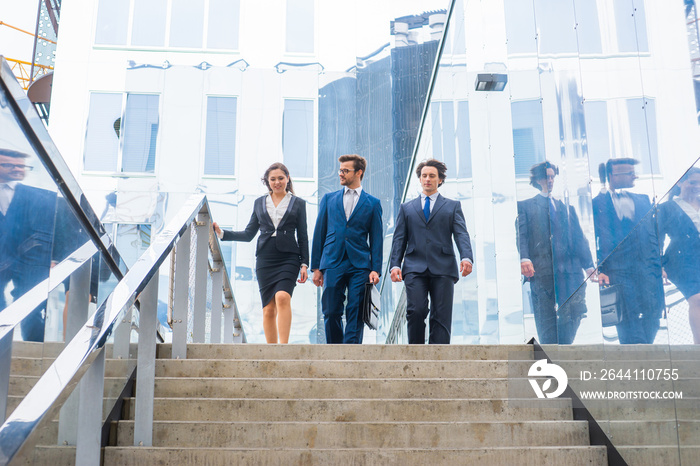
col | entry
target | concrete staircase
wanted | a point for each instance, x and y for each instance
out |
(369, 404)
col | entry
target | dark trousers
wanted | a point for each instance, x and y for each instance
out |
(33, 325)
(558, 304)
(440, 288)
(336, 282)
(640, 321)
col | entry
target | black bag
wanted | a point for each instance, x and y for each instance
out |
(370, 306)
(611, 305)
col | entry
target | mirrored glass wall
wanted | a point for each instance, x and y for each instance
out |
(167, 99)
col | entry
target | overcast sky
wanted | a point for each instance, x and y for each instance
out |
(21, 14)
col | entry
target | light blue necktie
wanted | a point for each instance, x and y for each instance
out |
(426, 209)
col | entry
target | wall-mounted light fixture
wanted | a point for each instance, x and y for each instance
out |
(491, 81)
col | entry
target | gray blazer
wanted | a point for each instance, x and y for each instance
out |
(427, 246)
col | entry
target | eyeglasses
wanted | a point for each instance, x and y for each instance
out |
(624, 173)
(345, 171)
(10, 166)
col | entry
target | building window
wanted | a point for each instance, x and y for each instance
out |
(220, 144)
(148, 21)
(298, 137)
(528, 135)
(451, 138)
(187, 23)
(112, 22)
(630, 24)
(223, 24)
(300, 26)
(622, 128)
(148, 25)
(138, 129)
(464, 141)
(103, 128)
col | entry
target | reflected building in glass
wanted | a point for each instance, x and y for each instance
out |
(153, 101)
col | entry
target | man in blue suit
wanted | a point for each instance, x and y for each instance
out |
(346, 250)
(628, 251)
(423, 241)
(26, 236)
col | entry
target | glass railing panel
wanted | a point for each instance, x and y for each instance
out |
(679, 232)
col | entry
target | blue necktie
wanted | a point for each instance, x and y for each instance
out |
(426, 209)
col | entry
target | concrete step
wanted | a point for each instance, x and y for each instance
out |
(607, 352)
(360, 369)
(31, 349)
(37, 366)
(353, 410)
(652, 432)
(220, 387)
(14, 401)
(128, 456)
(21, 384)
(327, 435)
(337, 352)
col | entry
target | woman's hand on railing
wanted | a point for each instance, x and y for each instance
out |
(217, 230)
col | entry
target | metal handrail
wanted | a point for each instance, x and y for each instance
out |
(40, 141)
(85, 353)
(15, 313)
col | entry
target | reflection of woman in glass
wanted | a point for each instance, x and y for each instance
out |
(679, 218)
(281, 257)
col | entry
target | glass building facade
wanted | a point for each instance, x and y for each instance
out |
(154, 102)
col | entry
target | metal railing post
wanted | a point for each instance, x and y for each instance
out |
(78, 310)
(228, 320)
(200, 278)
(143, 411)
(78, 300)
(89, 442)
(217, 282)
(181, 295)
(122, 336)
(5, 366)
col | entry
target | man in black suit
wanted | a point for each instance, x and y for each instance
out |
(629, 252)
(553, 255)
(26, 236)
(423, 241)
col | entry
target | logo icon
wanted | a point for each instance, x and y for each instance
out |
(541, 369)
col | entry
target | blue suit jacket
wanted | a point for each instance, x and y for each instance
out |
(428, 245)
(360, 236)
(26, 237)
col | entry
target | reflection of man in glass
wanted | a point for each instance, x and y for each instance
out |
(553, 254)
(628, 251)
(26, 230)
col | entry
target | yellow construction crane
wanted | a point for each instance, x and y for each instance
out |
(23, 69)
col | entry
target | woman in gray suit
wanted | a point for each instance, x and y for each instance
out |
(282, 253)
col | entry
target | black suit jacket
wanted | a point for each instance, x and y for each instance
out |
(629, 252)
(568, 253)
(428, 245)
(682, 255)
(293, 221)
(625, 244)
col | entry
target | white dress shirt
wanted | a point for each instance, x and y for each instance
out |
(276, 213)
(690, 211)
(7, 192)
(623, 203)
(433, 198)
(358, 192)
